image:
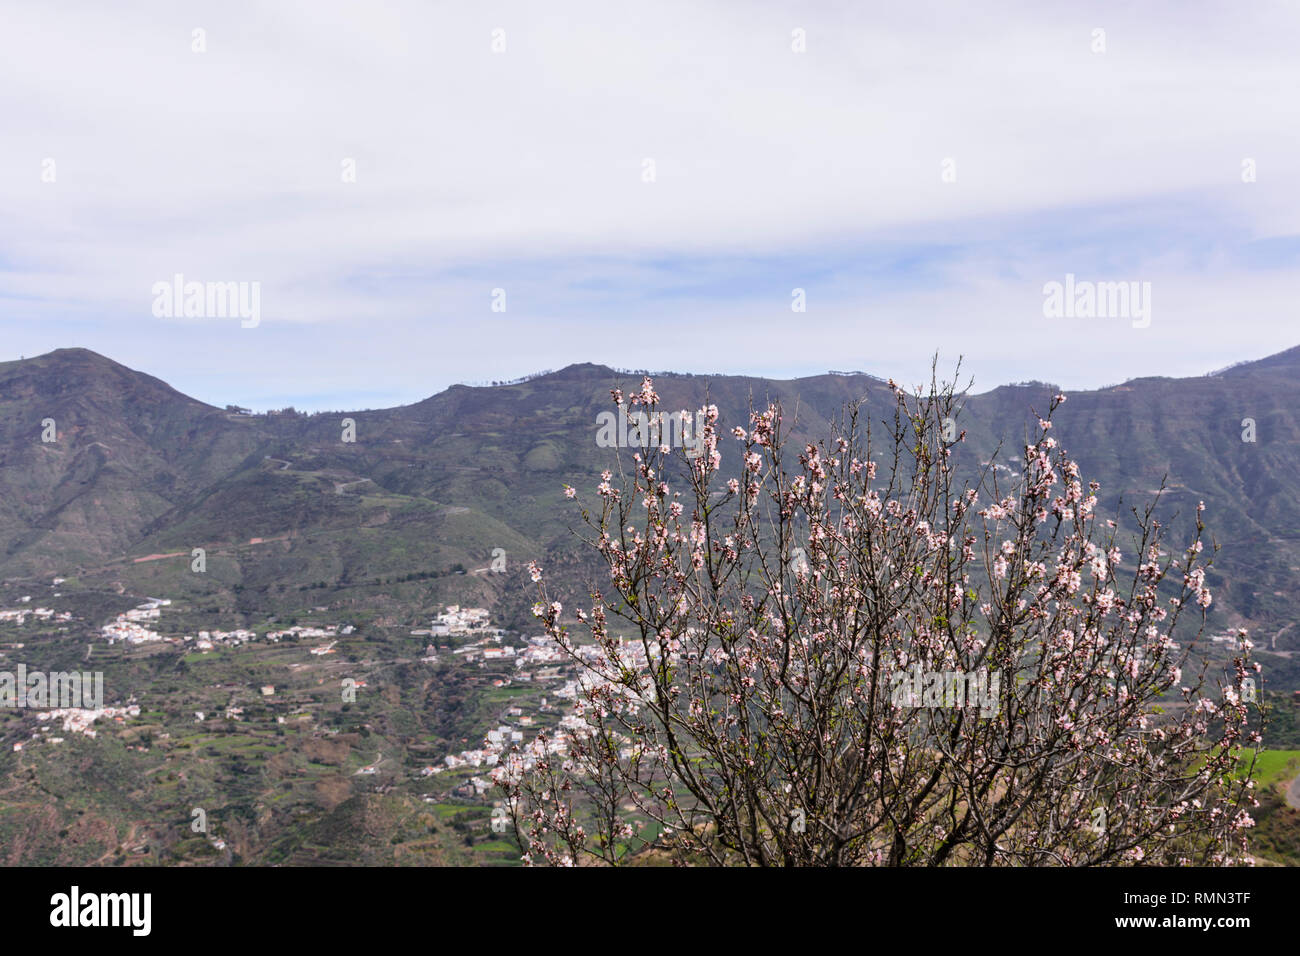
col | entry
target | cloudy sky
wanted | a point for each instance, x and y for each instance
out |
(920, 171)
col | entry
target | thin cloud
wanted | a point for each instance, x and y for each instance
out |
(523, 170)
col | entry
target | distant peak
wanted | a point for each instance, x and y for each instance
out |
(77, 354)
(1289, 359)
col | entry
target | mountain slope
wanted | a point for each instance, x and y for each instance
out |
(127, 449)
(140, 469)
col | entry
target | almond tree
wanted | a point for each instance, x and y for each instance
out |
(852, 661)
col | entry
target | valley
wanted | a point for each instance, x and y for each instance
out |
(279, 615)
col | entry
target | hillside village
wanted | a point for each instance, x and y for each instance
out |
(540, 660)
(130, 627)
(19, 616)
(536, 685)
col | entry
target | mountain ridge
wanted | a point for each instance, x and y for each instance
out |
(1286, 360)
(140, 468)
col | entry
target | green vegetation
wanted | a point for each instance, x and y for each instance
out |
(300, 528)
